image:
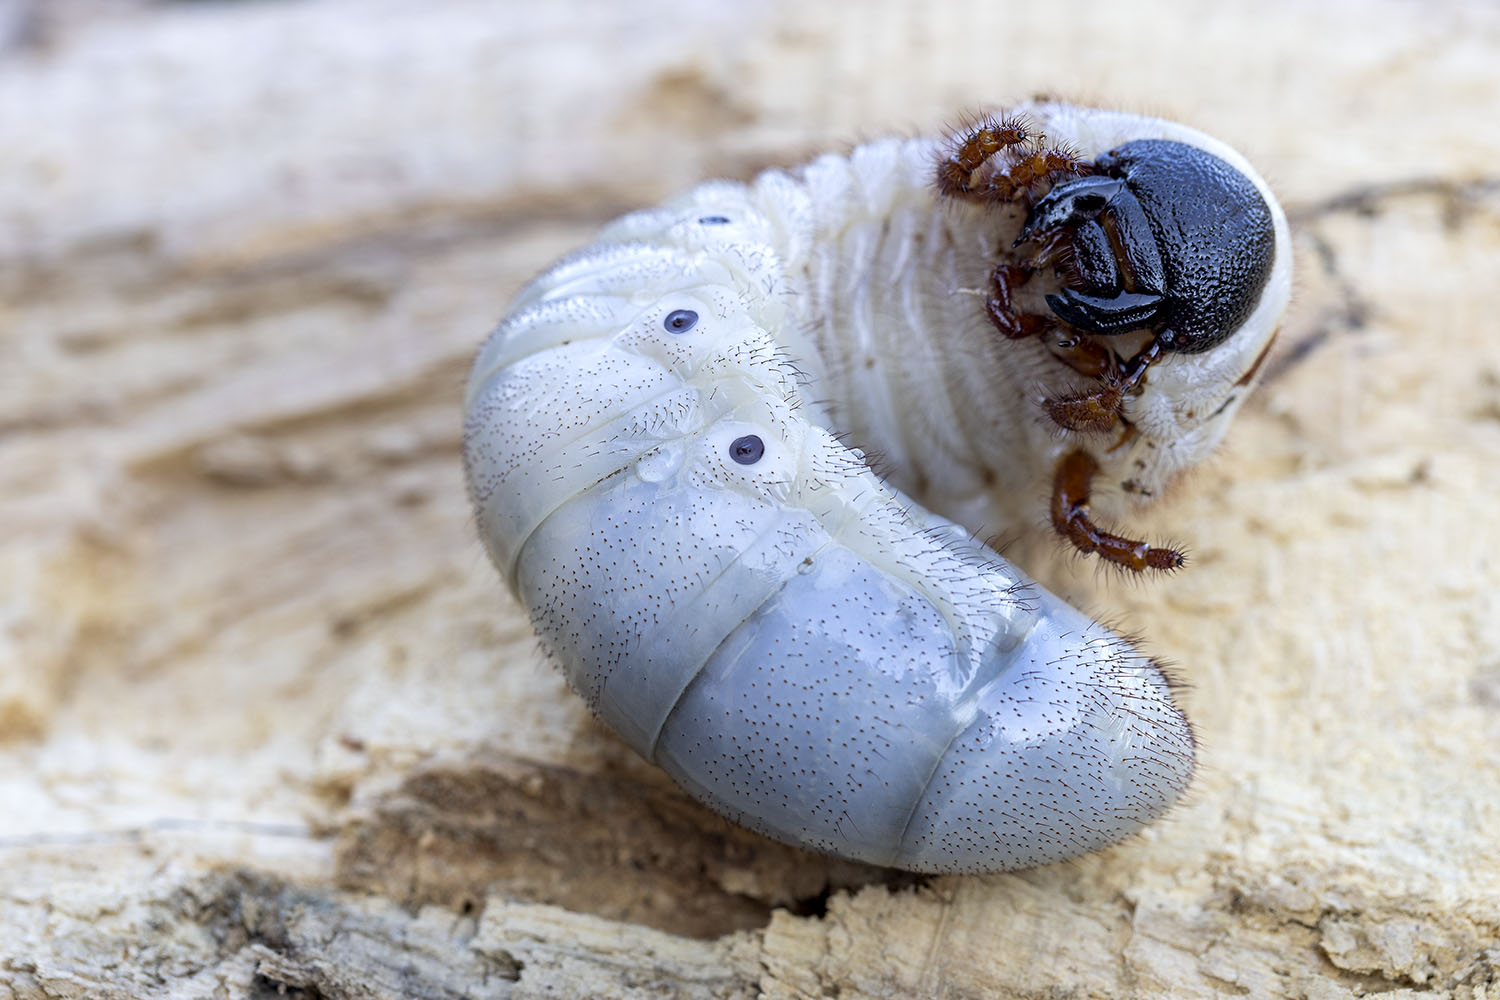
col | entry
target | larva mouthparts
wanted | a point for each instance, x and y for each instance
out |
(651, 451)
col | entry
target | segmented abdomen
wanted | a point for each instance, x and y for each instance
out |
(747, 604)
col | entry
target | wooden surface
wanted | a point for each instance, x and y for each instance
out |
(268, 721)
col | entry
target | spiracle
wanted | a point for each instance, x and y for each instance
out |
(663, 444)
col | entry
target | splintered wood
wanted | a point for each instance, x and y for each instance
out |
(268, 721)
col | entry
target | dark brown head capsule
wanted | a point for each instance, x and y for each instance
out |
(1165, 237)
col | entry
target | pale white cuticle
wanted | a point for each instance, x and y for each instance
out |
(796, 641)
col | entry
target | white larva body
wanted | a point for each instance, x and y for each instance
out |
(799, 644)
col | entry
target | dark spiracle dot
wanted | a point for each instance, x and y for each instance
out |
(680, 320)
(747, 450)
(713, 220)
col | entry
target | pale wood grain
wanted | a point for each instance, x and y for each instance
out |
(267, 719)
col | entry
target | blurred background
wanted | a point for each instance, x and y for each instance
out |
(257, 679)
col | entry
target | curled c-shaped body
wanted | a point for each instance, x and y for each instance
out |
(652, 452)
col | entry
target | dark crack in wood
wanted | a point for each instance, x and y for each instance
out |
(453, 832)
(1352, 309)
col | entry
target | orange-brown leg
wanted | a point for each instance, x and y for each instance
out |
(1070, 496)
(1099, 409)
(1044, 163)
(1029, 171)
(1093, 412)
(1083, 354)
(1000, 309)
(975, 146)
(972, 148)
